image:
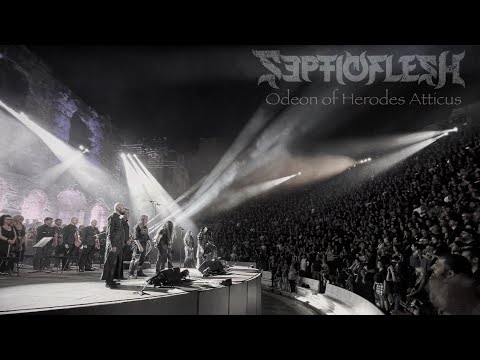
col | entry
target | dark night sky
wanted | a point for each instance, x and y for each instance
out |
(186, 93)
(181, 93)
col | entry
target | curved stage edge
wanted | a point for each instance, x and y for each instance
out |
(204, 296)
(334, 301)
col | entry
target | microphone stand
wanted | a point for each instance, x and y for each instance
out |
(180, 250)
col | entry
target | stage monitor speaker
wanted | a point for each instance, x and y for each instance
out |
(214, 266)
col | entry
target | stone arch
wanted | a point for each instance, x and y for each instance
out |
(71, 203)
(34, 205)
(80, 134)
(14, 85)
(100, 213)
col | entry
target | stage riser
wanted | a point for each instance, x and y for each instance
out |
(239, 299)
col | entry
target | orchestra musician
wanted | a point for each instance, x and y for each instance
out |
(41, 258)
(21, 234)
(8, 239)
(89, 241)
(71, 240)
(57, 242)
(102, 243)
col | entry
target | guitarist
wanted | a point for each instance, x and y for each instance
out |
(139, 247)
(71, 240)
(163, 240)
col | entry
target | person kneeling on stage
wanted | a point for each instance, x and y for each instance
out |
(139, 246)
(163, 240)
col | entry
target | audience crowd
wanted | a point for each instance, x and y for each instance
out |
(402, 238)
(406, 239)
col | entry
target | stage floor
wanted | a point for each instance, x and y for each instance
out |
(37, 292)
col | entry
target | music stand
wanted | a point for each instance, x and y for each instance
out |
(40, 245)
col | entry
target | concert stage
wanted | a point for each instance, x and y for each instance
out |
(83, 293)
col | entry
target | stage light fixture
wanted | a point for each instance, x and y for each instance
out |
(299, 173)
(455, 129)
(81, 147)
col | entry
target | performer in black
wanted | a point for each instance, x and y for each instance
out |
(126, 228)
(163, 240)
(115, 239)
(88, 241)
(41, 258)
(189, 250)
(139, 245)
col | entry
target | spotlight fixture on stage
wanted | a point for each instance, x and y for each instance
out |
(299, 173)
(365, 160)
(455, 129)
(81, 147)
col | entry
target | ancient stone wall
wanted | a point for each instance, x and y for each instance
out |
(28, 86)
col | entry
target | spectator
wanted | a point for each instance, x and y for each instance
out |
(303, 266)
(379, 290)
(292, 277)
(473, 256)
(405, 216)
(451, 286)
(316, 268)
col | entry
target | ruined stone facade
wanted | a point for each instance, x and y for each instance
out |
(27, 85)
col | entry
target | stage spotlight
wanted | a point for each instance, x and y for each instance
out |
(87, 151)
(81, 147)
(122, 155)
(445, 133)
(299, 173)
(369, 159)
(455, 129)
